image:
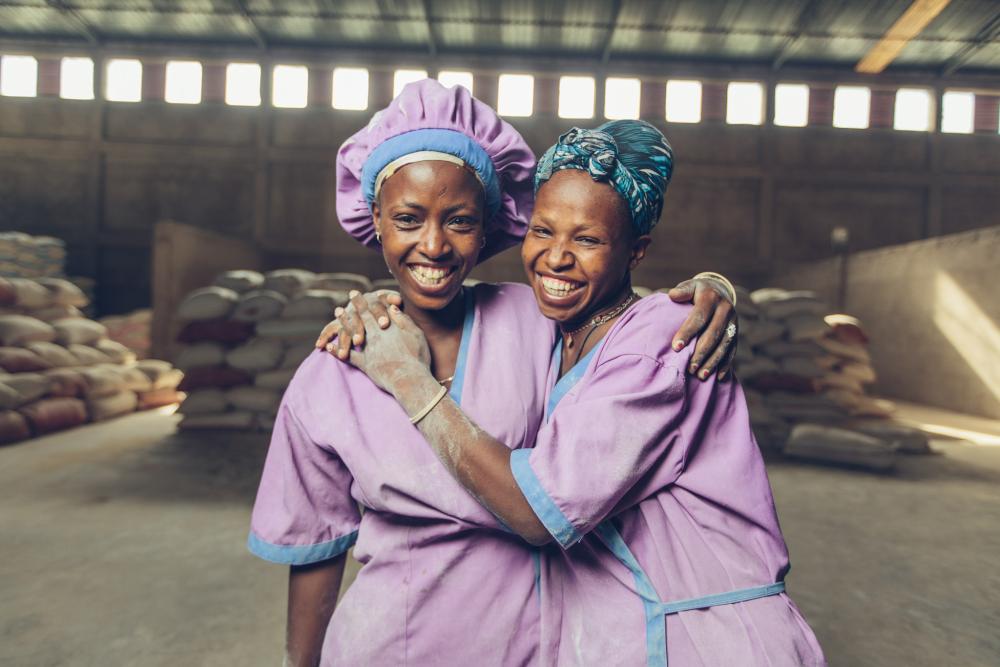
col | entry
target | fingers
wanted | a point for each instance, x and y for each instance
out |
(707, 344)
(700, 315)
(379, 309)
(360, 304)
(683, 292)
(726, 366)
(723, 350)
(389, 297)
(401, 319)
(329, 332)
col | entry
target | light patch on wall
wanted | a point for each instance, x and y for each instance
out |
(622, 97)
(243, 84)
(76, 79)
(123, 80)
(745, 103)
(913, 110)
(451, 78)
(290, 86)
(401, 77)
(851, 107)
(183, 82)
(18, 76)
(958, 112)
(972, 333)
(576, 96)
(515, 94)
(684, 101)
(350, 88)
(791, 105)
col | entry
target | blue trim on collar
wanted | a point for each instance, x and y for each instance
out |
(568, 381)
(561, 528)
(304, 554)
(458, 383)
(433, 139)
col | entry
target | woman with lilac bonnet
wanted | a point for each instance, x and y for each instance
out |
(438, 183)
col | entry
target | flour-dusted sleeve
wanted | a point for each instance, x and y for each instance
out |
(304, 511)
(595, 449)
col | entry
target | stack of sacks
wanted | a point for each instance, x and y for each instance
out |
(245, 336)
(801, 365)
(59, 369)
(134, 330)
(26, 256)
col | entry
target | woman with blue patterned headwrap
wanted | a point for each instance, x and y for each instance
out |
(644, 489)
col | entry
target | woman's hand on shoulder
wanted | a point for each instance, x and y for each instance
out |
(347, 329)
(713, 320)
(393, 354)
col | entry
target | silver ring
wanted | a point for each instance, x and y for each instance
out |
(731, 330)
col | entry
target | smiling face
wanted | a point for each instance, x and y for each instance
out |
(580, 247)
(431, 216)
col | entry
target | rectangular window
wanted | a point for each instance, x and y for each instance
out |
(183, 82)
(684, 101)
(290, 86)
(851, 107)
(124, 80)
(243, 84)
(18, 76)
(515, 94)
(958, 112)
(401, 77)
(350, 88)
(621, 98)
(448, 78)
(745, 103)
(576, 97)
(76, 79)
(791, 105)
(913, 110)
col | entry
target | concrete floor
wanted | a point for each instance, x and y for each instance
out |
(123, 544)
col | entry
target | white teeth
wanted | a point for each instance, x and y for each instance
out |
(426, 275)
(557, 287)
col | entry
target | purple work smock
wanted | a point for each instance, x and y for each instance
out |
(442, 582)
(652, 485)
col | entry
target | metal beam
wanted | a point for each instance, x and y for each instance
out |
(792, 43)
(616, 10)
(909, 25)
(255, 31)
(432, 45)
(989, 33)
(74, 17)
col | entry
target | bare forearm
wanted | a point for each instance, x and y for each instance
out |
(477, 460)
(312, 597)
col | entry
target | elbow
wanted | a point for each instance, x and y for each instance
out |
(536, 536)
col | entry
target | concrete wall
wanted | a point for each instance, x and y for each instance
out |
(745, 200)
(932, 309)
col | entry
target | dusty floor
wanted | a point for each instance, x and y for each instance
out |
(123, 544)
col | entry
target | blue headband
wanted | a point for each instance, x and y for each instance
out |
(442, 141)
(632, 156)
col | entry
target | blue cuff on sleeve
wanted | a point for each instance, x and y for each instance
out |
(300, 554)
(564, 532)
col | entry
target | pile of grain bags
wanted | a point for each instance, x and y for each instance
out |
(133, 330)
(805, 372)
(26, 256)
(59, 369)
(245, 335)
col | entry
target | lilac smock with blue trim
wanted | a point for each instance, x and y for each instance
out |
(442, 582)
(652, 485)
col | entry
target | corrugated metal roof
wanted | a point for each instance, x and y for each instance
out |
(818, 32)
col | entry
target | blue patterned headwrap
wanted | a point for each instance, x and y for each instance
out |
(632, 156)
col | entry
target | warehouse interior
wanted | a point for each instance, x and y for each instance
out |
(169, 248)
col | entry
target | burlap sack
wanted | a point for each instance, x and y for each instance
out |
(208, 303)
(79, 331)
(288, 281)
(102, 380)
(276, 380)
(30, 294)
(121, 403)
(296, 354)
(21, 360)
(200, 354)
(228, 332)
(815, 442)
(57, 312)
(314, 304)
(21, 329)
(54, 414)
(204, 401)
(13, 427)
(259, 305)
(64, 293)
(342, 282)
(87, 355)
(28, 387)
(8, 295)
(158, 398)
(291, 329)
(240, 281)
(66, 383)
(119, 353)
(254, 399)
(214, 376)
